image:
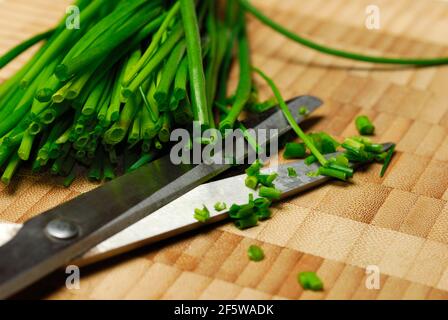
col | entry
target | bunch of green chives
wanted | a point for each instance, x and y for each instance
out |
(136, 70)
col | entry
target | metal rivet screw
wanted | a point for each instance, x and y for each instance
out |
(61, 229)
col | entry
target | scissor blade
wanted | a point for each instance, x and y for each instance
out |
(177, 217)
(62, 234)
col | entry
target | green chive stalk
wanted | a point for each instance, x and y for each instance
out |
(195, 63)
(244, 89)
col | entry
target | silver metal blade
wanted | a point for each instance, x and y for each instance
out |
(66, 232)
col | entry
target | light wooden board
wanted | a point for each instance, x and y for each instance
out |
(399, 223)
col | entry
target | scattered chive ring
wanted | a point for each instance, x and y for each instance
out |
(364, 126)
(303, 111)
(310, 160)
(251, 182)
(202, 215)
(254, 168)
(270, 193)
(220, 206)
(292, 173)
(310, 281)
(294, 150)
(255, 253)
(248, 222)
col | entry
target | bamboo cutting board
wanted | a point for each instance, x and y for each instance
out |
(399, 223)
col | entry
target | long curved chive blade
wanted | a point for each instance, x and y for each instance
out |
(255, 253)
(340, 53)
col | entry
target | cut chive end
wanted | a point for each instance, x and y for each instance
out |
(310, 281)
(255, 253)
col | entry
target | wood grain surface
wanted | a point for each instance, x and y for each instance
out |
(398, 223)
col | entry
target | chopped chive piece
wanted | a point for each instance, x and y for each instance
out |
(364, 140)
(270, 193)
(245, 223)
(241, 212)
(310, 160)
(255, 253)
(334, 173)
(353, 145)
(220, 206)
(262, 203)
(364, 126)
(251, 182)
(310, 281)
(347, 170)
(294, 150)
(336, 52)
(254, 168)
(313, 174)
(374, 147)
(387, 160)
(202, 215)
(303, 111)
(264, 214)
(292, 172)
(340, 160)
(324, 142)
(267, 180)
